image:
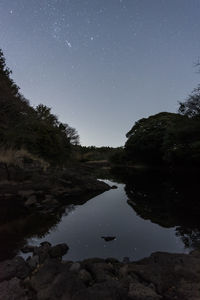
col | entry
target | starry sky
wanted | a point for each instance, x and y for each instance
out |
(102, 64)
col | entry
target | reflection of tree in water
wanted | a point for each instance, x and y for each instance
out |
(14, 234)
(189, 236)
(167, 199)
(16, 227)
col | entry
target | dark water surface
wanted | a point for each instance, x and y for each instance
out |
(109, 214)
(144, 215)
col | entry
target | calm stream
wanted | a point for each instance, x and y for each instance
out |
(109, 214)
(142, 215)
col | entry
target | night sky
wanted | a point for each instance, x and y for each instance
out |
(102, 64)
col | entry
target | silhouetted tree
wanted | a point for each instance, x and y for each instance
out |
(146, 138)
(191, 107)
(70, 132)
(7, 85)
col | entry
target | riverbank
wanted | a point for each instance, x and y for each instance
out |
(44, 275)
(32, 189)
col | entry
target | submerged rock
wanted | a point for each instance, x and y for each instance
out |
(108, 238)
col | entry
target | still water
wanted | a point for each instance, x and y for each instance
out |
(109, 214)
(149, 211)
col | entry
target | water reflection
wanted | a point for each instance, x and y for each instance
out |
(150, 211)
(14, 234)
(166, 198)
(16, 227)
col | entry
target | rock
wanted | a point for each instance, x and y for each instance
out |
(33, 262)
(54, 281)
(12, 290)
(101, 271)
(26, 193)
(45, 244)
(114, 187)
(28, 249)
(58, 250)
(123, 271)
(85, 276)
(48, 197)
(138, 291)
(7, 195)
(15, 267)
(31, 200)
(47, 211)
(108, 290)
(160, 276)
(42, 252)
(46, 274)
(108, 238)
(50, 200)
(75, 267)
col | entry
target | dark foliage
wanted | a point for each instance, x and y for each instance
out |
(146, 140)
(191, 107)
(36, 130)
(167, 138)
(93, 153)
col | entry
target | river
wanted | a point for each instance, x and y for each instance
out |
(141, 216)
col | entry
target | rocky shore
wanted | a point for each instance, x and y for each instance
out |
(32, 189)
(44, 275)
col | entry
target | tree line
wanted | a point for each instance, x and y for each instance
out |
(35, 129)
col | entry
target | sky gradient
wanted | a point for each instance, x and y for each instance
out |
(102, 64)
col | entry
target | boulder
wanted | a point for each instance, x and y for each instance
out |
(138, 291)
(75, 267)
(12, 290)
(58, 251)
(33, 262)
(85, 276)
(113, 187)
(42, 252)
(15, 267)
(27, 249)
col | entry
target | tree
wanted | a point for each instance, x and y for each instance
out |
(44, 114)
(145, 142)
(7, 85)
(191, 107)
(70, 132)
